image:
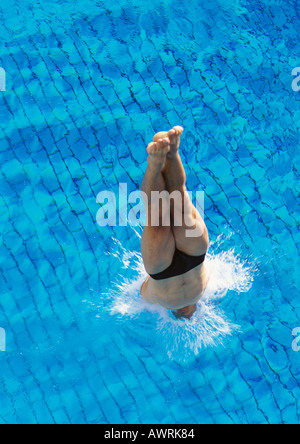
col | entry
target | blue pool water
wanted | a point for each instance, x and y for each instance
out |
(87, 85)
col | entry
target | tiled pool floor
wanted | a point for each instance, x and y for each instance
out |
(88, 83)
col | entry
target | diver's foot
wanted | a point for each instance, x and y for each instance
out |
(157, 152)
(174, 136)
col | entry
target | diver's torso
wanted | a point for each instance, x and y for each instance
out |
(177, 292)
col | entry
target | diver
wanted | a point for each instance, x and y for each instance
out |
(174, 261)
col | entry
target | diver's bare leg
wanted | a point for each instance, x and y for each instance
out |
(158, 244)
(183, 211)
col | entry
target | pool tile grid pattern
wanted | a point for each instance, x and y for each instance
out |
(85, 95)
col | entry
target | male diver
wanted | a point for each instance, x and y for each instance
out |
(174, 261)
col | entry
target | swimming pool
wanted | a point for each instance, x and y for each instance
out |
(90, 74)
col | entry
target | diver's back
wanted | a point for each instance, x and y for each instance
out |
(177, 292)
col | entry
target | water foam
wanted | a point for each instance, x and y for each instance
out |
(208, 327)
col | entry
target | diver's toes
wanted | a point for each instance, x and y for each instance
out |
(172, 136)
(160, 135)
(151, 147)
(163, 144)
(179, 130)
(159, 149)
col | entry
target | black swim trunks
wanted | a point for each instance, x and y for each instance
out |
(182, 263)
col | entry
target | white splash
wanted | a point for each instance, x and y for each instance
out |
(208, 327)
